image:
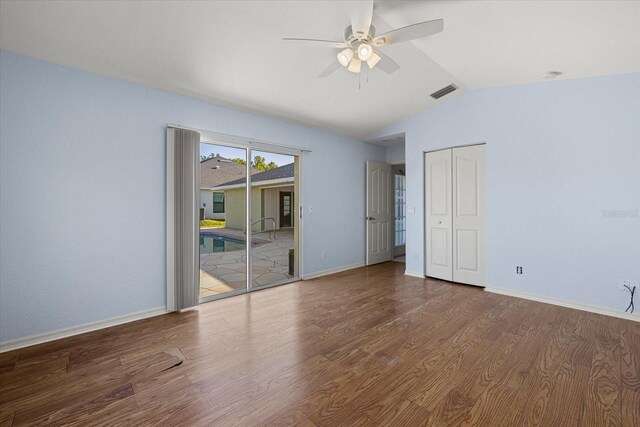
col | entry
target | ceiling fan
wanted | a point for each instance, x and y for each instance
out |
(360, 45)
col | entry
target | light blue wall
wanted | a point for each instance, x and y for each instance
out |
(558, 154)
(83, 184)
(395, 154)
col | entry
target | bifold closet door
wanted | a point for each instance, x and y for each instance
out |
(438, 215)
(469, 215)
(455, 219)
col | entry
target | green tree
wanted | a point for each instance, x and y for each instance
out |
(210, 156)
(239, 161)
(261, 164)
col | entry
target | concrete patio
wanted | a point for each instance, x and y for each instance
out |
(222, 272)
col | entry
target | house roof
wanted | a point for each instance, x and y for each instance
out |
(281, 173)
(219, 170)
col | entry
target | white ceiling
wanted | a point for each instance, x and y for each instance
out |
(388, 140)
(500, 43)
(232, 52)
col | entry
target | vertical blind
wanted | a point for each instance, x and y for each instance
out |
(184, 146)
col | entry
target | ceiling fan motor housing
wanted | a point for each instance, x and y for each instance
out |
(351, 39)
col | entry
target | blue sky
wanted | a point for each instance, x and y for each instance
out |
(231, 153)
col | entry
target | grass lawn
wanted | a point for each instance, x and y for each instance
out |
(211, 223)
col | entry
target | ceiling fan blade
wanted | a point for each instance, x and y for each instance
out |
(361, 16)
(386, 64)
(323, 43)
(330, 69)
(411, 32)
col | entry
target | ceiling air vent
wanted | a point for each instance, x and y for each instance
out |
(444, 91)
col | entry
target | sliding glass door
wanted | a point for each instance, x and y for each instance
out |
(223, 212)
(231, 215)
(274, 224)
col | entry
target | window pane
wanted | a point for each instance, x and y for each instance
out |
(218, 202)
(399, 208)
(222, 237)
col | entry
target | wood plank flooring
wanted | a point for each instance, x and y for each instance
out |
(365, 347)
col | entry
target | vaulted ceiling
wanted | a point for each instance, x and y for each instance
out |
(232, 53)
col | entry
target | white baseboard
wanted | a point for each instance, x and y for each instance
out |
(413, 274)
(80, 329)
(583, 307)
(332, 271)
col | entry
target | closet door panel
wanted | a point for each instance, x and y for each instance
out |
(438, 214)
(469, 217)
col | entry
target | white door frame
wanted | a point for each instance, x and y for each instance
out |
(424, 201)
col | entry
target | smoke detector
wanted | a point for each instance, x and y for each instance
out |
(552, 75)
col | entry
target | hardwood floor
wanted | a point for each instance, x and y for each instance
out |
(365, 347)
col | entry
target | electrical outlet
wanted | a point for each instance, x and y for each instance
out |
(518, 269)
(416, 255)
(324, 254)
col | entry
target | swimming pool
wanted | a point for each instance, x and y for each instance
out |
(210, 243)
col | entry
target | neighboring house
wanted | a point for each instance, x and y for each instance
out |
(214, 172)
(272, 196)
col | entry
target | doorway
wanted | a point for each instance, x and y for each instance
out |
(286, 209)
(248, 236)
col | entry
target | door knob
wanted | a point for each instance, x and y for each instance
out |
(439, 222)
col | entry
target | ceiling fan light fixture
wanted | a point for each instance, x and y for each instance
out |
(345, 57)
(373, 59)
(354, 65)
(364, 52)
(360, 41)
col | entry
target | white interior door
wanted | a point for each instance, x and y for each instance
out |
(438, 215)
(469, 215)
(379, 216)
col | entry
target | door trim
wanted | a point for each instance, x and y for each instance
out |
(453, 146)
(248, 220)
